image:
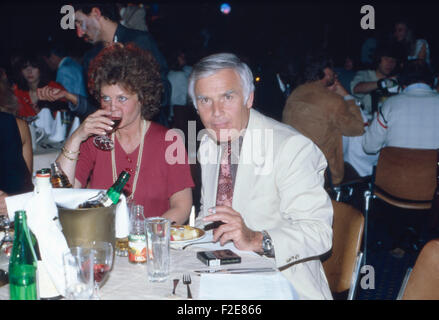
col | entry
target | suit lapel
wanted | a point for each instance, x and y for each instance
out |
(251, 157)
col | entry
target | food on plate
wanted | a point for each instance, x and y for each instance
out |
(183, 233)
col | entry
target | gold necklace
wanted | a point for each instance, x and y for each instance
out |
(139, 160)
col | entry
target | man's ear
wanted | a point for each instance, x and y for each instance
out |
(249, 103)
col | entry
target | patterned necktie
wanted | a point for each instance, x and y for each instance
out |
(224, 193)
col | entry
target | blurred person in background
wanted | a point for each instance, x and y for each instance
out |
(367, 82)
(32, 73)
(99, 24)
(16, 156)
(413, 49)
(322, 110)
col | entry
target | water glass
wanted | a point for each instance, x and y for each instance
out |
(78, 271)
(158, 232)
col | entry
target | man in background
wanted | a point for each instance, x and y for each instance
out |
(322, 110)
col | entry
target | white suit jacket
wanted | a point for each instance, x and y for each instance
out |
(279, 188)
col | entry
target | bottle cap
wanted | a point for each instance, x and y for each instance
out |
(45, 172)
(20, 214)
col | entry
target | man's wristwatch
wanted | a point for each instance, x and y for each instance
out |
(267, 244)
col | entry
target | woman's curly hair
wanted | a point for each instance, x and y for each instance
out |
(132, 68)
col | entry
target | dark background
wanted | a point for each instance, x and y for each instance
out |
(256, 30)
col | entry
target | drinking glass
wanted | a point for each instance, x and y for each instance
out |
(78, 272)
(103, 262)
(104, 142)
(158, 256)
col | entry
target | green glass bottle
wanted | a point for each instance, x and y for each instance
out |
(116, 189)
(106, 199)
(23, 262)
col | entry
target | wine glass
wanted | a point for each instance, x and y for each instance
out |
(104, 142)
(103, 262)
(78, 272)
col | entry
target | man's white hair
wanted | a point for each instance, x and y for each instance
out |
(216, 62)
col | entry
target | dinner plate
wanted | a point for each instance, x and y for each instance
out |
(185, 234)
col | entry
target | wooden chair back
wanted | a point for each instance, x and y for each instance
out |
(406, 176)
(348, 224)
(423, 283)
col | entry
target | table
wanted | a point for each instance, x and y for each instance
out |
(129, 281)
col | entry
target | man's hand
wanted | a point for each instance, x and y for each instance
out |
(234, 229)
(338, 88)
(51, 94)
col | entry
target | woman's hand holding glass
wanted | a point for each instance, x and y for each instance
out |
(104, 142)
(99, 123)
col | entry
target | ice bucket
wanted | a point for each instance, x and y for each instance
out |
(85, 225)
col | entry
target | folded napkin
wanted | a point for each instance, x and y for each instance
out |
(37, 134)
(75, 124)
(48, 232)
(45, 120)
(41, 212)
(254, 286)
(59, 129)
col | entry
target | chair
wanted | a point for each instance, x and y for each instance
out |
(343, 265)
(404, 178)
(422, 282)
(351, 185)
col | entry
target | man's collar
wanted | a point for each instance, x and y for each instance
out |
(120, 29)
(61, 62)
(418, 86)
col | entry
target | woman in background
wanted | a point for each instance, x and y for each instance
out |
(32, 73)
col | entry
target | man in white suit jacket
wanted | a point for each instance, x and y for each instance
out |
(279, 206)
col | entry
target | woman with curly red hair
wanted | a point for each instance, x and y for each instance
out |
(127, 78)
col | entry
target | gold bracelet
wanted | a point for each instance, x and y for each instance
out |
(66, 156)
(69, 152)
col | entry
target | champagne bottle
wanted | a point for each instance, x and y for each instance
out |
(59, 178)
(23, 262)
(111, 196)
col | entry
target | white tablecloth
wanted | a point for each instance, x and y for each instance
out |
(130, 282)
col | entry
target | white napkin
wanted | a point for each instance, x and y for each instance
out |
(59, 129)
(50, 238)
(41, 211)
(75, 124)
(251, 286)
(45, 120)
(37, 134)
